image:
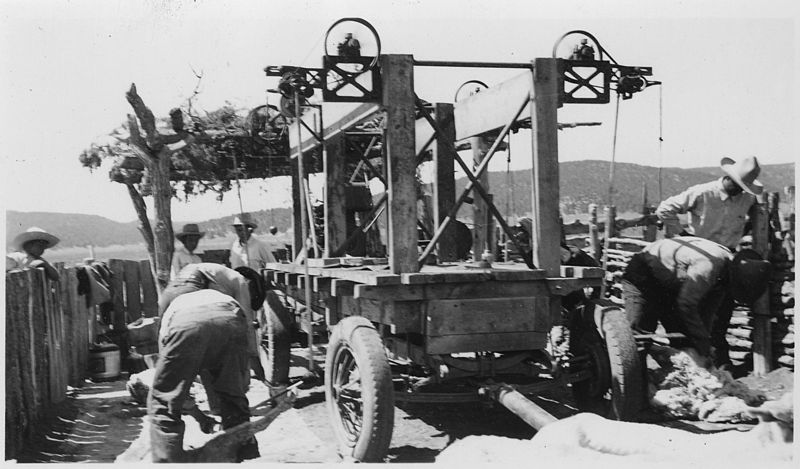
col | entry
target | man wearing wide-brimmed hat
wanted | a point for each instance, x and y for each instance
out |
(30, 245)
(717, 209)
(246, 250)
(184, 254)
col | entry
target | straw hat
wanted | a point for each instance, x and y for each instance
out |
(190, 229)
(33, 233)
(744, 173)
(244, 219)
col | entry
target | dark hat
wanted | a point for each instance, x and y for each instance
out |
(190, 229)
(749, 276)
(244, 219)
(258, 287)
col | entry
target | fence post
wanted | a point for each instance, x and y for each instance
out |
(762, 334)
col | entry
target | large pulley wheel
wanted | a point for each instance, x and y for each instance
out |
(275, 349)
(615, 387)
(358, 390)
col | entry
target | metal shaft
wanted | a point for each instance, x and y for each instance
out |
(523, 407)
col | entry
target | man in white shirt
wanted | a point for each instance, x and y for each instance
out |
(246, 250)
(718, 209)
(184, 254)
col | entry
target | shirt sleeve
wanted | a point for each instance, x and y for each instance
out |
(700, 278)
(669, 209)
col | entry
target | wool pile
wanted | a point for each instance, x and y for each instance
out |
(680, 388)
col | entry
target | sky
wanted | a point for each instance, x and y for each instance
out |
(729, 71)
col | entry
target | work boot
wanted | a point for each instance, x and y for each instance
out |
(166, 446)
(248, 450)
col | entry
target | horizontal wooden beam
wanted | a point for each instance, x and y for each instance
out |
(493, 107)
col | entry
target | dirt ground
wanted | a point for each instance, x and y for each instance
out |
(100, 421)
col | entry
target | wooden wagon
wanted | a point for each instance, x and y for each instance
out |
(411, 326)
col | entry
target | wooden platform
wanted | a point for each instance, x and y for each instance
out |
(458, 307)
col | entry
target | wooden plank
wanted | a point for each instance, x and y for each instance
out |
(437, 291)
(359, 114)
(133, 295)
(341, 287)
(487, 315)
(15, 402)
(423, 278)
(581, 272)
(50, 332)
(402, 317)
(545, 190)
(518, 275)
(398, 146)
(149, 292)
(27, 349)
(492, 108)
(321, 284)
(117, 267)
(324, 261)
(364, 276)
(38, 340)
(762, 333)
(444, 191)
(297, 212)
(497, 342)
(335, 194)
(480, 209)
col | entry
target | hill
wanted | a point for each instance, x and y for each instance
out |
(586, 182)
(582, 183)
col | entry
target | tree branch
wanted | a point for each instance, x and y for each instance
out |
(144, 223)
(146, 117)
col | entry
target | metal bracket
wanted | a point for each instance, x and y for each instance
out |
(350, 80)
(585, 82)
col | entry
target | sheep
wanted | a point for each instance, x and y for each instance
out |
(589, 437)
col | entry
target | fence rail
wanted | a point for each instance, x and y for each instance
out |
(47, 348)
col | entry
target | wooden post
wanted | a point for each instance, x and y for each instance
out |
(117, 267)
(762, 334)
(133, 298)
(297, 228)
(480, 210)
(149, 294)
(594, 237)
(545, 192)
(444, 190)
(399, 151)
(335, 196)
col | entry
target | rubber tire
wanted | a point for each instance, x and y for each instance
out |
(357, 337)
(617, 367)
(275, 350)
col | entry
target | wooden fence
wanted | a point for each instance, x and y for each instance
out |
(47, 348)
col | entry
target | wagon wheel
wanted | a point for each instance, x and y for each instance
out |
(614, 389)
(275, 350)
(358, 390)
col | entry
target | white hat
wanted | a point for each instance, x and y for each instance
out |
(33, 233)
(744, 173)
(244, 219)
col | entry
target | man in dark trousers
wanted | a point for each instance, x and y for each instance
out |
(684, 282)
(204, 329)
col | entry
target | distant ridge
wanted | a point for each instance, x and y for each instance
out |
(582, 183)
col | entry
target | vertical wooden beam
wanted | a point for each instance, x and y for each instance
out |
(480, 210)
(149, 294)
(762, 334)
(133, 298)
(297, 212)
(117, 267)
(399, 143)
(335, 194)
(444, 190)
(545, 191)
(594, 236)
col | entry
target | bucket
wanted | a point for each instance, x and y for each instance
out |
(104, 361)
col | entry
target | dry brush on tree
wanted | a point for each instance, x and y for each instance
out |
(166, 158)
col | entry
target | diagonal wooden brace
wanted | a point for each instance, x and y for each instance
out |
(473, 184)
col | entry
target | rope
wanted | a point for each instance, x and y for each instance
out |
(660, 139)
(613, 155)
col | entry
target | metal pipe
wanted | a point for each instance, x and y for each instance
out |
(304, 228)
(449, 63)
(523, 407)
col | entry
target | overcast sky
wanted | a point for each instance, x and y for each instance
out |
(729, 73)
